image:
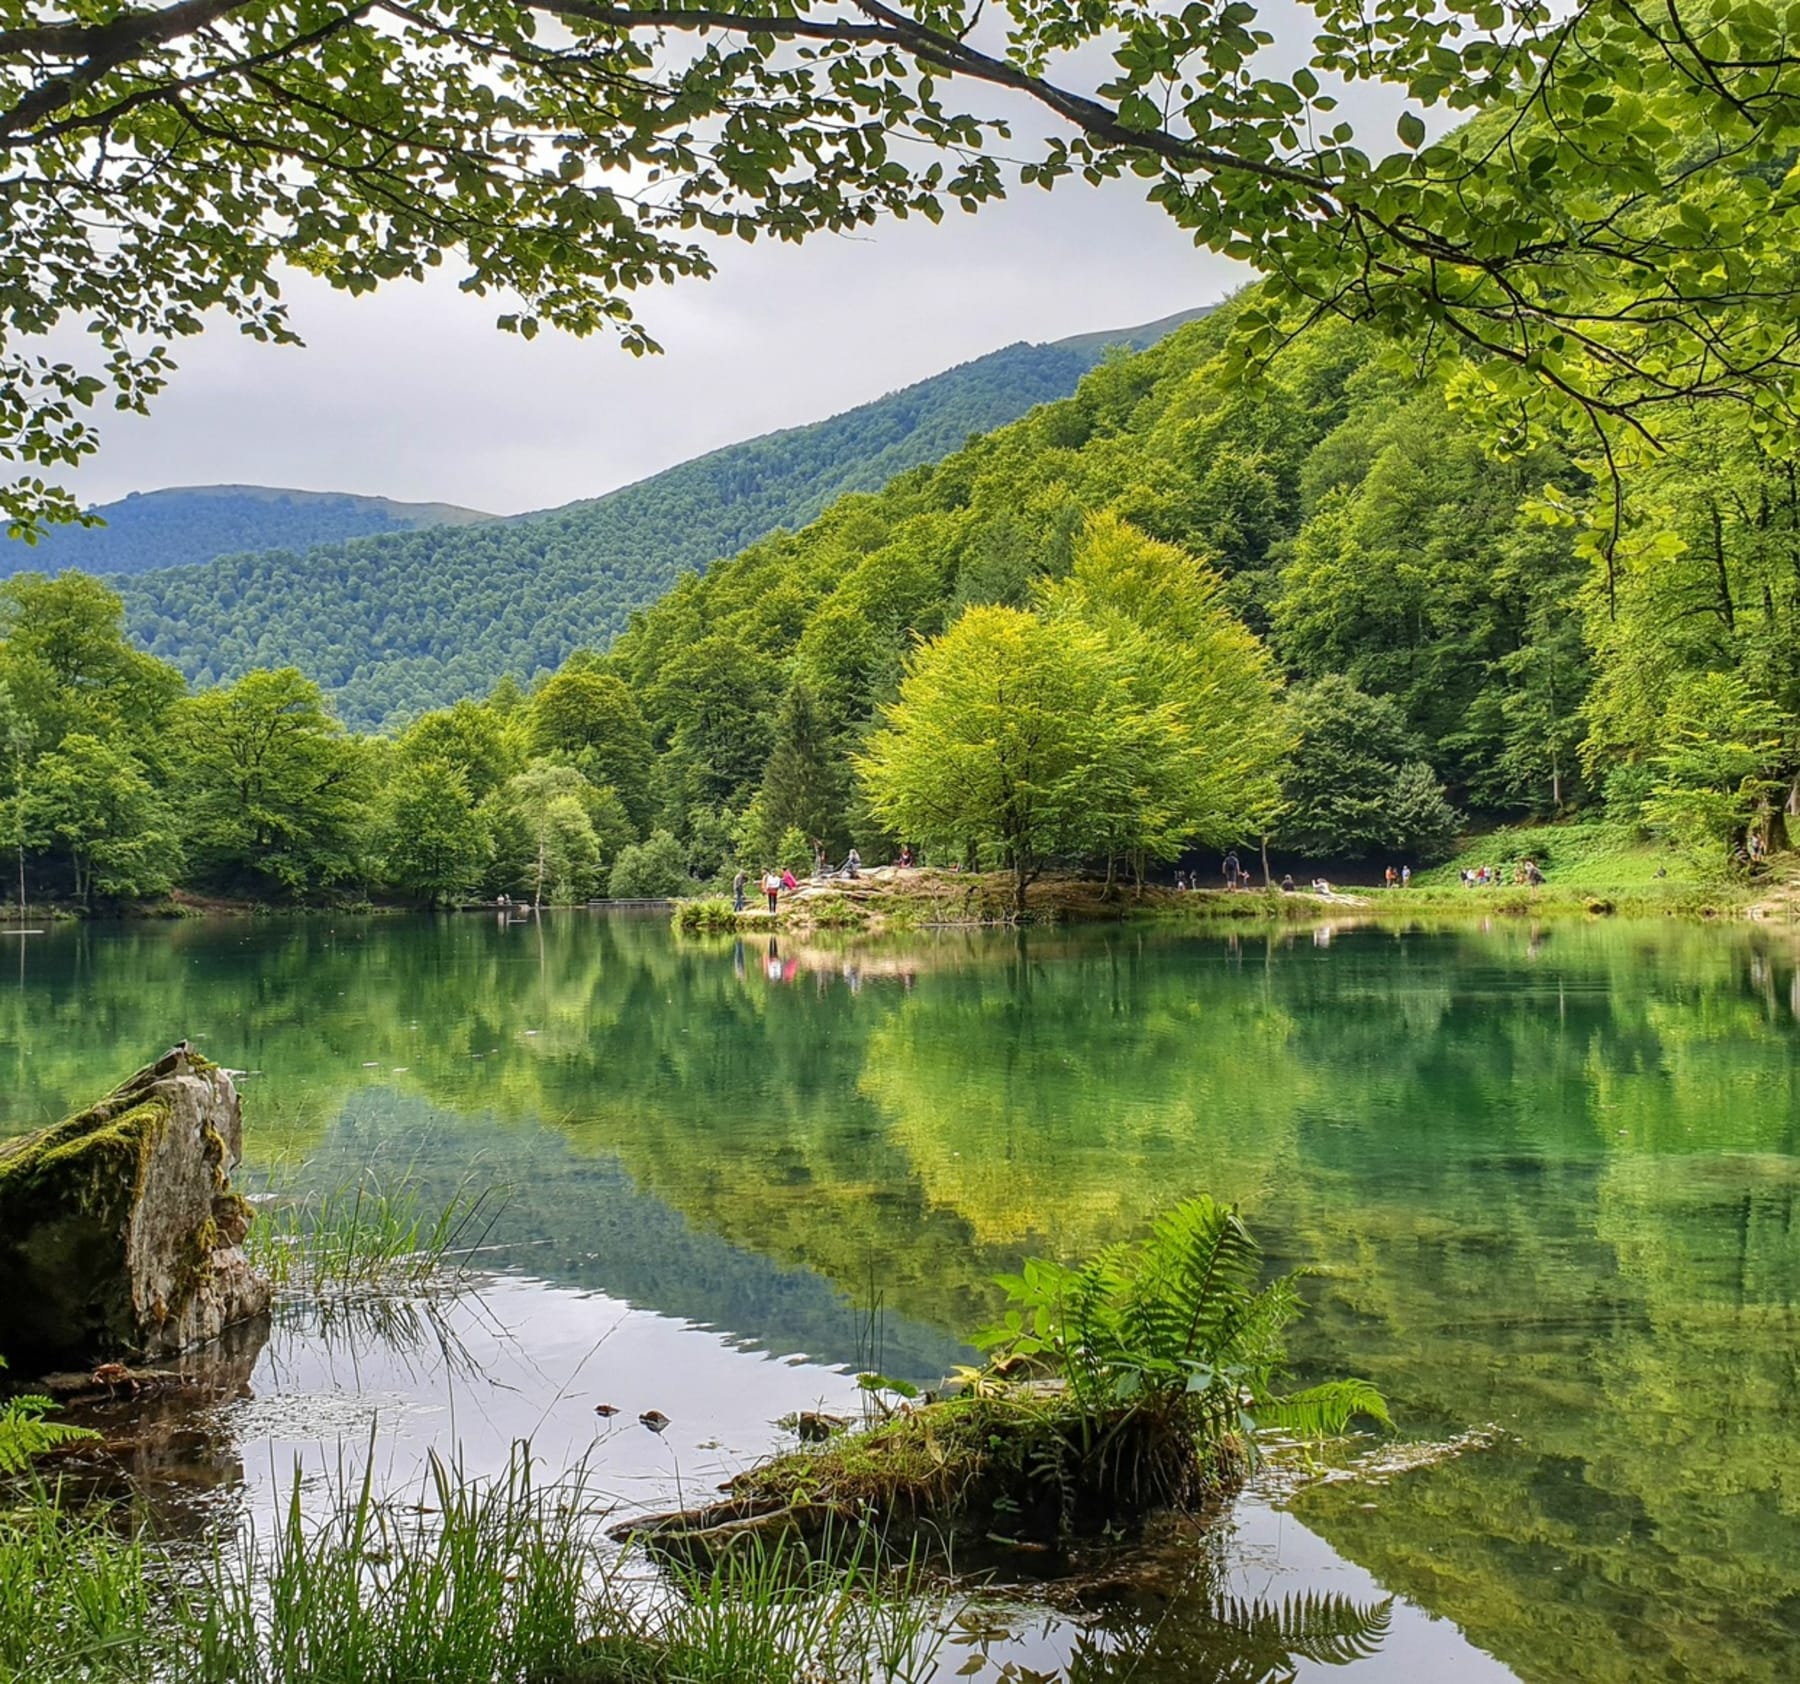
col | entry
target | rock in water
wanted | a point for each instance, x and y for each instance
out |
(119, 1233)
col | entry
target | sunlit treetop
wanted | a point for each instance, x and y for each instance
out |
(1615, 231)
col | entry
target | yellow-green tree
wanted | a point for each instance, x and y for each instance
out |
(1001, 741)
(1128, 718)
(1196, 672)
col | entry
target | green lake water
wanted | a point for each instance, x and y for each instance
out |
(1550, 1184)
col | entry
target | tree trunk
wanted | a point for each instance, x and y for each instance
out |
(1268, 881)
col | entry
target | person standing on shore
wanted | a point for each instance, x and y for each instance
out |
(737, 889)
(772, 888)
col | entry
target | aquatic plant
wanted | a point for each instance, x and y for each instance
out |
(366, 1236)
(77, 1601)
(1135, 1382)
(709, 916)
(1178, 1325)
(467, 1581)
(25, 1432)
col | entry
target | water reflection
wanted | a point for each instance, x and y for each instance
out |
(1548, 1178)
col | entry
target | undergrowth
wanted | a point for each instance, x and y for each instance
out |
(500, 1581)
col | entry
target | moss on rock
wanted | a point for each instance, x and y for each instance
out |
(110, 1236)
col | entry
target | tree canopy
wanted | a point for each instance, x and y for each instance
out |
(1614, 231)
(1131, 717)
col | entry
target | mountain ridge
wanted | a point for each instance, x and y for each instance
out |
(182, 525)
(394, 624)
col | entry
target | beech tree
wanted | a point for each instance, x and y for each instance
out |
(91, 802)
(431, 841)
(1618, 227)
(275, 792)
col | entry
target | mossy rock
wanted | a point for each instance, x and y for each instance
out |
(118, 1229)
(1014, 1466)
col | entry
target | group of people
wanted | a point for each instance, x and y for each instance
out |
(1231, 868)
(1236, 877)
(1526, 874)
(774, 883)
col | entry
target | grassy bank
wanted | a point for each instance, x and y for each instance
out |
(1589, 869)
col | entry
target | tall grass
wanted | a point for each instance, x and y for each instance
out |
(477, 1581)
(364, 1236)
(78, 1602)
(496, 1581)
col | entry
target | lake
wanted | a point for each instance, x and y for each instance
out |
(1548, 1182)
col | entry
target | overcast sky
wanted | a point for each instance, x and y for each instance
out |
(413, 393)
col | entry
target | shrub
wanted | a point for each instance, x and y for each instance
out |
(649, 870)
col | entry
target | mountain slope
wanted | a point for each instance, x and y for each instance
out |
(396, 624)
(194, 523)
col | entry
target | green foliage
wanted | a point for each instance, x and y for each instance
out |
(591, 716)
(1358, 785)
(24, 1433)
(275, 790)
(556, 833)
(391, 626)
(91, 802)
(803, 785)
(1000, 741)
(475, 739)
(1179, 1323)
(1130, 717)
(1206, 688)
(649, 870)
(1583, 249)
(431, 840)
(1722, 748)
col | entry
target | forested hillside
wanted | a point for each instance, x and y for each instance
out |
(1169, 611)
(1443, 616)
(188, 524)
(394, 625)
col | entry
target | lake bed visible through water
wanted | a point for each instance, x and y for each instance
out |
(1547, 1181)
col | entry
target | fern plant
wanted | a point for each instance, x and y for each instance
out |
(1178, 1324)
(25, 1433)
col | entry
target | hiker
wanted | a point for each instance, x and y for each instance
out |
(737, 889)
(788, 879)
(1181, 882)
(852, 864)
(1230, 868)
(1406, 877)
(1287, 882)
(771, 885)
(906, 856)
(1392, 878)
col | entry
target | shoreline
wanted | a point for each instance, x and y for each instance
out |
(882, 902)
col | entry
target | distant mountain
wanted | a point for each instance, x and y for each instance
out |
(1132, 338)
(194, 523)
(395, 624)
